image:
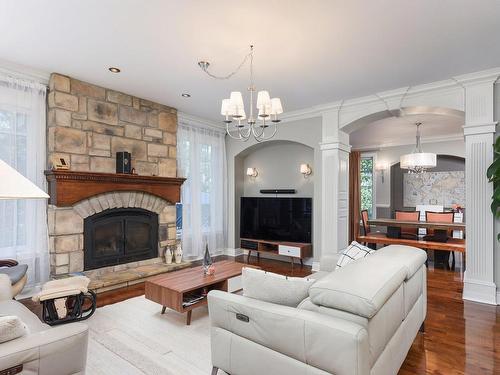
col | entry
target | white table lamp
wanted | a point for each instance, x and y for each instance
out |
(13, 185)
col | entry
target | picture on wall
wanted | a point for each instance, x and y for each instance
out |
(437, 188)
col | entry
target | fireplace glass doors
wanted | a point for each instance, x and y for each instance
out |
(120, 236)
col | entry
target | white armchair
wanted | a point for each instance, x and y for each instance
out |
(60, 350)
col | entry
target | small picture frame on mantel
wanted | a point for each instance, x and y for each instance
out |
(59, 163)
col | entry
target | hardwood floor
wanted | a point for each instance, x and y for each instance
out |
(460, 337)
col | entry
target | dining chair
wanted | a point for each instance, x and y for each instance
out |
(408, 232)
(364, 220)
(367, 231)
(441, 217)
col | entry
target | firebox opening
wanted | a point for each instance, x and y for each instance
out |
(118, 236)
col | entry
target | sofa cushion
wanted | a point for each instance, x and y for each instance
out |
(411, 258)
(15, 273)
(11, 327)
(12, 307)
(352, 253)
(361, 287)
(274, 288)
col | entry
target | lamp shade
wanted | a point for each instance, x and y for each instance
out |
(263, 100)
(264, 112)
(276, 107)
(15, 186)
(225, 109)
(252, 172)
(418, 160)
(236, 99)
(305, 169)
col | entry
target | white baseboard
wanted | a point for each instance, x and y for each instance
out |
(480, 291)
(233, 252)
(498, 296)
(315, 266)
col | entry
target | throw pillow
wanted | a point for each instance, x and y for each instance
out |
(11, 327)
(274, 288)
(353, 252)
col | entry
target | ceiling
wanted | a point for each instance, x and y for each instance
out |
(306, 52)
(393, 131)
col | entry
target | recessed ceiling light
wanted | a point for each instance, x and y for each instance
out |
(184, 95)
(114, 70)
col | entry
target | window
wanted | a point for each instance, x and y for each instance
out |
(23, 223)
(367, 185)
(201, 159)
(13, 139)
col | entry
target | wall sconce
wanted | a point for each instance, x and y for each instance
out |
(252, 173)
(305, 169)
(382, 167)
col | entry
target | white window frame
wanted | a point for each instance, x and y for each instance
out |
(373, 156)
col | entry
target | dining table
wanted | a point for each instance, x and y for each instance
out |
(416, 224)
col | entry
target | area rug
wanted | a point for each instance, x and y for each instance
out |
(133, 337)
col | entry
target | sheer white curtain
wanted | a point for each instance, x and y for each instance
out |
(23, 223)
(201, 158)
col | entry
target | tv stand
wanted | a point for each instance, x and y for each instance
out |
(294, 250)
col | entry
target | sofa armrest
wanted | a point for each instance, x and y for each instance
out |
(328, 262)
(58, 350)
(5, 288)
(305, 336)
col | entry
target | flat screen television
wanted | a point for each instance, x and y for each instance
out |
(278, 219)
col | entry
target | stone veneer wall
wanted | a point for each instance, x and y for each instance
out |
(66, 228)
(87, 125)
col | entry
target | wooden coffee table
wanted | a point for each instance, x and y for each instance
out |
(173, 288)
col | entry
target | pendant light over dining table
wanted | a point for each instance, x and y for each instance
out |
(233, 108)
(418, 161)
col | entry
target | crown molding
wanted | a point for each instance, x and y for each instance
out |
(25, 72)
(185, 118)
(409, 141)
(451, 84)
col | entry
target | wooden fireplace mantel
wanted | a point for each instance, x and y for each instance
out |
(69, 187)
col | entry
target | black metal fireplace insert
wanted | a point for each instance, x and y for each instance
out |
(118, 236)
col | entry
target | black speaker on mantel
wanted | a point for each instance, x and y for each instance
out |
(123, 162)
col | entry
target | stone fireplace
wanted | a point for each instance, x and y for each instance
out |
(100, 221)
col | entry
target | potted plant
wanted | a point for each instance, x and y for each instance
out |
(493, 175)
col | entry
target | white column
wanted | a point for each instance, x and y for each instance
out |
(334, 185)
(479, 131)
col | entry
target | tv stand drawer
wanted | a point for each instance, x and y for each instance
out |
(291, 251)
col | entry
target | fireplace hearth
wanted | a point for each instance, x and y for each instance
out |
(119, 236)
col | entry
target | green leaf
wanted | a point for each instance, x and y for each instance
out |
(498, 236)
(493, 170)
(494, 207)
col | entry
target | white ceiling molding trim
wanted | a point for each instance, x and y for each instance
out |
(411, 141)
(443, 88)
(22, 71)
(187, 119)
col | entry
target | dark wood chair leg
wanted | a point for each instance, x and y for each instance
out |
(301, 263)
(248, 256)
(215, 370)
(258, 257)
(163, 309)
(188, 318)
(422, 328)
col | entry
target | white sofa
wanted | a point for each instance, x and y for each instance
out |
(358, 320)
(46, 350)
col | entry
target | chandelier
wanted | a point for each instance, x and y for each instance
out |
(238, 126)
(418, 161)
